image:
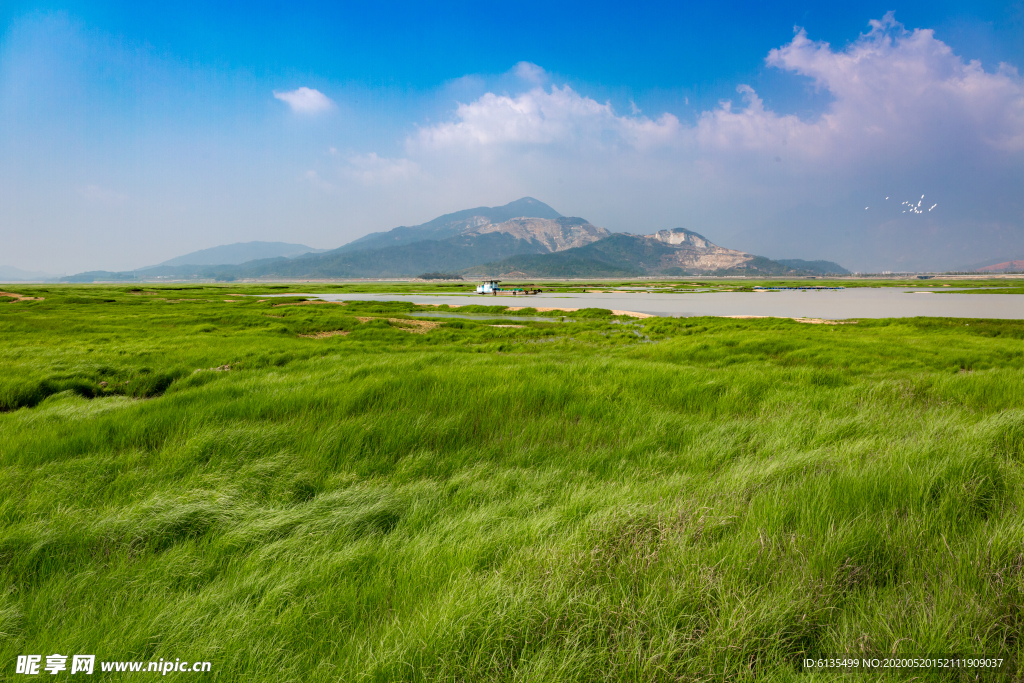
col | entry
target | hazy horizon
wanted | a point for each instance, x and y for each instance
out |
(130, 136)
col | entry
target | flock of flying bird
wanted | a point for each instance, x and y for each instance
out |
(911, 206)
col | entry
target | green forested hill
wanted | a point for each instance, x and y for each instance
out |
(454, 253)
(619, 255)
(616, 255)
(819, 267)
(457, 241)
(450, 225)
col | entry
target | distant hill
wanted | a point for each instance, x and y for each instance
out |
(452, 224)
(617, 255)
(525, 237)
(820, 267)
(447, 243)
(1014, 266)
(675, 252)
(240, 252)
(106, 276)
(12, 274)
(477, 242)
(994, 265)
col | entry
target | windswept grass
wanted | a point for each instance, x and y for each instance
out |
(603, 500)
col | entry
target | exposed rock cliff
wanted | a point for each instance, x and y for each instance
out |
(556, 234)
(694, 252)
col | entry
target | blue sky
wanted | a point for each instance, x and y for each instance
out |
(131, 133)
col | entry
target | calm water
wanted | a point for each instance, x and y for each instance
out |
(888, 302)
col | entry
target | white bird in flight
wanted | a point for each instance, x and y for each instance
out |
(912, 207)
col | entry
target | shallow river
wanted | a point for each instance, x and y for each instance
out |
(862, 302)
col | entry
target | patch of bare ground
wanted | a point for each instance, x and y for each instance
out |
(819, 321)
(809, 321)
(311, 303)
(139, 292)
(507, 326)
(324, 335)
(542, 309)
(413, 326)
(22, 297)
(219, 368)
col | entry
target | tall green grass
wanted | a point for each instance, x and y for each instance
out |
(604, 500)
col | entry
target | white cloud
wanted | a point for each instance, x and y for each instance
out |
(541, 117)
(530, 72)
(894, 91)
(896, 84)
(305, 100)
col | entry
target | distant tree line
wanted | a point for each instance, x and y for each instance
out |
(439, 276)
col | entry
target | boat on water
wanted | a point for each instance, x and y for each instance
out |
(491, 288)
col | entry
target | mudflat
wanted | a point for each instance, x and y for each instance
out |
(860, 302)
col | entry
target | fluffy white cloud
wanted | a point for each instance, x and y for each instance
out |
(541, 117)
(895, 83)
(893, 91)
(530, 72)
(305, 100)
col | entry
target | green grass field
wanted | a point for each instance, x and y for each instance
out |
(187, 477)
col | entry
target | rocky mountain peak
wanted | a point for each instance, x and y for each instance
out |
(682, 237)
(554, 234)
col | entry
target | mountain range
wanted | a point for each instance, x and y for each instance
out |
(1014, 266)
(667, 252)
(451, 224)
(240, 252)
(525, 238)
(1006, 264)
(12, 274)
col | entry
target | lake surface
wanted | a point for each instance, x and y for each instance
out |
(861, 302)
